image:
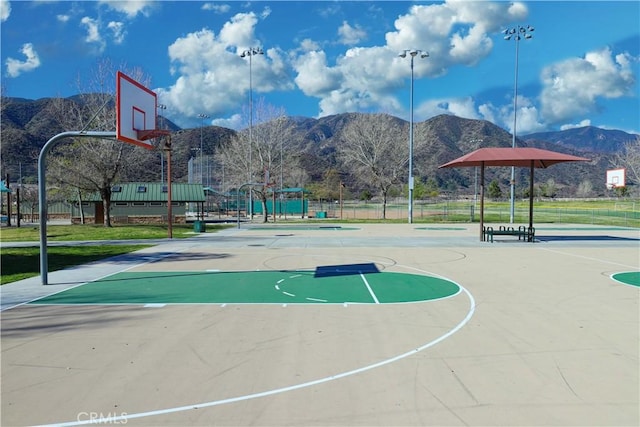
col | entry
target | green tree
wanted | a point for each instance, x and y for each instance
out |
(431, 188)
(329, 188)
(549, 188)
(494, 190)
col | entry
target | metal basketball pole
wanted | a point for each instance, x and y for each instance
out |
(42, 189)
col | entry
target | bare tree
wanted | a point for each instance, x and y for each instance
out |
(269, 140)
(29, 199)
(585, 189)
(373, 148)
(629, 158)
(91, 164)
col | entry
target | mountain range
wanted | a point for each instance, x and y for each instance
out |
(26, 125)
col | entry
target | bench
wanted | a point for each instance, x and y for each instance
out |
(526, 234)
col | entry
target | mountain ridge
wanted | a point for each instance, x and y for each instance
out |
(25, 128)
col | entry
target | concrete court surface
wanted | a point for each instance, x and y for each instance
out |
(540, 334)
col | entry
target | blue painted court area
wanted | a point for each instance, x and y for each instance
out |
(350, 284)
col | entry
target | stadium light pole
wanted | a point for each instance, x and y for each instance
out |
(201, 117)
(412, 54)
(252, 51)
(515, 34)
(161, 107)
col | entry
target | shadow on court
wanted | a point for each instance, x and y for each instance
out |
(53, 319)
(590, 238)
(345, 269)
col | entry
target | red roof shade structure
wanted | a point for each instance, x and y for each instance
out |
(512, 157)
(522, 157)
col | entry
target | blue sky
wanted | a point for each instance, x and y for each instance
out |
(320, 58)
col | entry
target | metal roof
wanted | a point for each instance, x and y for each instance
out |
(519, 156)
(293, 190)
(153, 192)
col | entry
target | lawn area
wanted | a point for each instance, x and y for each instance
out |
(22, 263)
(98, 232)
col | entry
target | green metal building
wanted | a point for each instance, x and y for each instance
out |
(142, 203)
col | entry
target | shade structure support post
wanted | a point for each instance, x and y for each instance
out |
(531, 195)
(482, 202)
(167, 148)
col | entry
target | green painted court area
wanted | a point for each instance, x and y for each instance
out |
(629, 278)
(335, 286)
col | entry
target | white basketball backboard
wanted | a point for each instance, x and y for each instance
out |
(616, 178)
(135, 111)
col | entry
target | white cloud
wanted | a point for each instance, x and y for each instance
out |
(461, 107)
(118, 31)
(351, 35)
(16, 67)
(572, 87)
(234, 122)
(212, 78)
(314, 77)
(131, 8)
(583, 123)
(528, 120)
(63, 18)
(454, 33)
(98, 35)
(216, 7)
(265, 12)
(5, 10)
(307, 45)
(93, 31)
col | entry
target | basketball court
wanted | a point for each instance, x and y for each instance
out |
(368, 325)
(377, 324)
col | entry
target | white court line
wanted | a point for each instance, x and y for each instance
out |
(124, 418)
(373, 295)
(589, 258)
(618, 281)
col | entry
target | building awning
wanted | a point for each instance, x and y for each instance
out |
(293, 190)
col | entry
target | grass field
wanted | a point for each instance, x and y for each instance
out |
(623, 212)
(22, 263)
(56, 233)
